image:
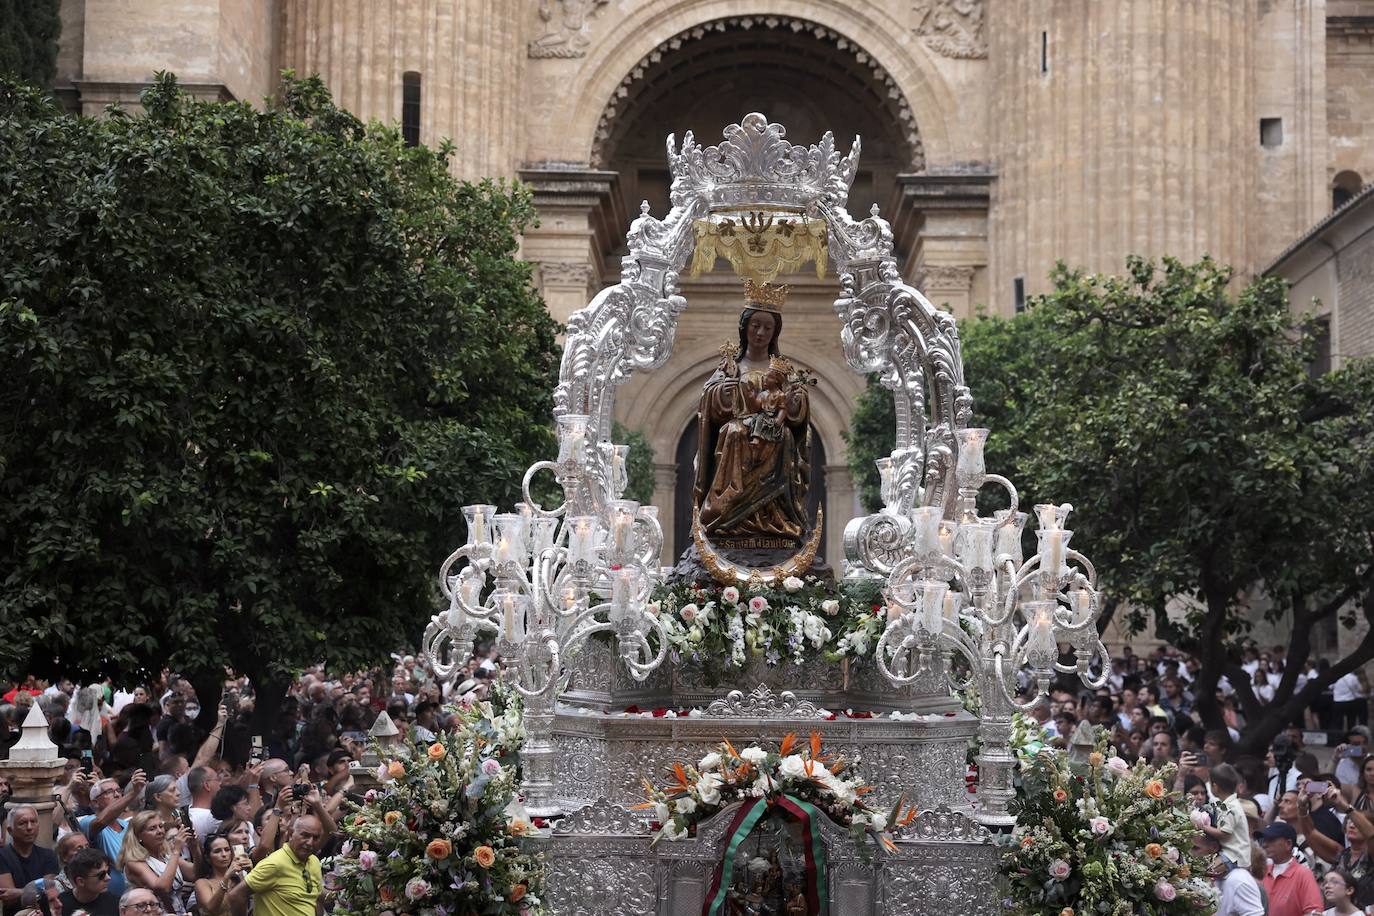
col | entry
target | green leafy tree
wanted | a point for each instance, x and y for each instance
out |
(29, 30)
(639, 465)
(255, 361)
(872, 435)
(1215, 481)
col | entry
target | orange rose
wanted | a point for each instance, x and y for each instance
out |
(1154, 788)
(518, 827)
(484, 855)
(1060, 795)
(359, 820)
(1095, 759)
(391, 817)
(395, 769)
(1154, 850)
(436, 751)
(517, 893)
(1027, 843)
(439, 849)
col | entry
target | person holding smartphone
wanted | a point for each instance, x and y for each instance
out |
(222, 866)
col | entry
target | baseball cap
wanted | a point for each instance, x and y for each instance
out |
(1279, 831)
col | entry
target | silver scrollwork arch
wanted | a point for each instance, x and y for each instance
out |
(888, 327)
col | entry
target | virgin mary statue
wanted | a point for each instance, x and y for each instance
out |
(754, 454)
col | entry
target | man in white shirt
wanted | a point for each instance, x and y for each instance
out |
(1238, 890)
(1347, 700)
(1349, 755)
(203, 782)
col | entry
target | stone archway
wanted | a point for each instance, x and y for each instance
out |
(804, 74)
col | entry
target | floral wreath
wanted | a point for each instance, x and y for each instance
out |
(796, 780)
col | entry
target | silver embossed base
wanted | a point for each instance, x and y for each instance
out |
(598, 681)
(600, 864)
(598, 755)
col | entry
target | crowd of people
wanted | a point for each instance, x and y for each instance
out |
(156, 814)
(1289, 830)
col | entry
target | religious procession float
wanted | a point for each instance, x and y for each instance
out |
(747, 731)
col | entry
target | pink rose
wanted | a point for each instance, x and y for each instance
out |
(366, 859)
(1100, 826)
(490, 767)
(1165, 891)
(1200, 819)
(758, 604)
(1059, 869)
(1118, 765)
(688, 612)
(730, 595)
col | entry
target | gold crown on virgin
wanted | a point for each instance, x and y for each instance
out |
(766, 296)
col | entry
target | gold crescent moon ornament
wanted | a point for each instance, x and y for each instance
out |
(728, 573)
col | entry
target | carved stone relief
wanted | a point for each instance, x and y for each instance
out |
(565, 273)
(567, 27)
(953, 28)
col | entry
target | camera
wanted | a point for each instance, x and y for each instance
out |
(301, 791)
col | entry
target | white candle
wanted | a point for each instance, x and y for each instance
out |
(508, 617)
(1082, 605)
(926, 528)
(1054, 550)
(479, 527)
(1040, 641)
(581, 538)
(932, 603)
(951, 610)
(503, 552)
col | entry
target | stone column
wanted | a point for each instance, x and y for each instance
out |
(34, 768)
(941, 223)
(581, 220)
(840, 507)
(665, 493)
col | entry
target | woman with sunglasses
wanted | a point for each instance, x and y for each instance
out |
(219, 871)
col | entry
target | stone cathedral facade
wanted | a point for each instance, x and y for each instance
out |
(998, 135)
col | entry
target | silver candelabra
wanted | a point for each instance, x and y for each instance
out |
(547, 580)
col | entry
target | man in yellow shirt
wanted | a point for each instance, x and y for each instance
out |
(289, 881)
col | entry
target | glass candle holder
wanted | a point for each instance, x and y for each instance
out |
(1041, 649)
(970, 470)
(479, 519)
(975, 545)
(572, 438)
(582, 539)
(932, 593)
(885, 479)
(511, 608)
(1054, 545)
(510, 539)
(925, 529)
(1009, 535)
(621, 537)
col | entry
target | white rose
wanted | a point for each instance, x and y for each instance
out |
(689, 612)
(685, 805)
(670, 831)
(661, 812)
(830, 606)
(792, 584)
(708, 789)
(793, 767)
(709, 762)
(653, 608)
(730, 595)
(755, 755)
(878, 820)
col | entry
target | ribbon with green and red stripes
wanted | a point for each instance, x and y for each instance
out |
(743, 824)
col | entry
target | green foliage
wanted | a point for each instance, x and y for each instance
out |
(1204, 463)
(639, 465)
(872, 435)
(29, 30)
(255, 361)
